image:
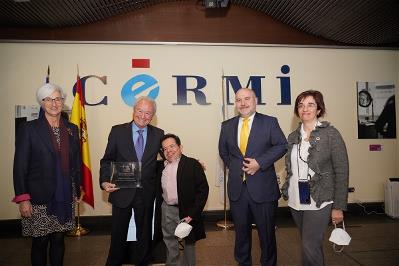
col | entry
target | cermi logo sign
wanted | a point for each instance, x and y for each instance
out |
(145, 84)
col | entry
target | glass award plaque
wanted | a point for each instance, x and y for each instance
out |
(126, 174)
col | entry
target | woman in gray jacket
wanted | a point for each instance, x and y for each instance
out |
(316, 185)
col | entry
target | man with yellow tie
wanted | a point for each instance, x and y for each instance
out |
(249, 144)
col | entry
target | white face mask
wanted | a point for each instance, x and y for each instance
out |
(340, 237)
(183, 229)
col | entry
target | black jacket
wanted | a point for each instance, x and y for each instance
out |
(120, 148)
(192, 191)
(35, 160)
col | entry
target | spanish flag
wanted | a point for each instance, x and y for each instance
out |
(78, 117)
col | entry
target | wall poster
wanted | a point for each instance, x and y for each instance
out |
(376, 113)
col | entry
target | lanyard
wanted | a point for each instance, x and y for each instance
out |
(297, 162)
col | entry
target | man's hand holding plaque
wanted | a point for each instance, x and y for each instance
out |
(126, 174)
(109, 187)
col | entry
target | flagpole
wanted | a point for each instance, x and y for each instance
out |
(224, 224)
(47, 80)
(79, 230)
(48, 74)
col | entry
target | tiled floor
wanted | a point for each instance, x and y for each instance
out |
(375, 241)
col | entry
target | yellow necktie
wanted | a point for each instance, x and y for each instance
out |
(244, 140)
(244, 135)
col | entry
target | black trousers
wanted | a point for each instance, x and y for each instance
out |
(40, 245)
(143, 213)
(245, 211)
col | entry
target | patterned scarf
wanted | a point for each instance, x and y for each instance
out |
(61, 203)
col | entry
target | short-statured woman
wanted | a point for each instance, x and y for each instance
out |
(317, 167)
(47, 177)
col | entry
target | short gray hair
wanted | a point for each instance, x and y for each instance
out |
(46, 90)
(148, 99)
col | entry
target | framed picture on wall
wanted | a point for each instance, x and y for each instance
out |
(376, 112)
(25, 113)
(30, 112)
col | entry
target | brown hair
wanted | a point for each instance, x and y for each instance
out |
(317, 96)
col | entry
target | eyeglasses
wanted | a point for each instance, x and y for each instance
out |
(56, 100)
(308, 106)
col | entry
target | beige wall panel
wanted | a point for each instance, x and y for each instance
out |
(334, 72)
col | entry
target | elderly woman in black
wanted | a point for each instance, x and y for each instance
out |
(47, 176)
(317, 175)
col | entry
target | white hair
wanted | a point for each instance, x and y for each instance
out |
(46, 90)
(148, 99)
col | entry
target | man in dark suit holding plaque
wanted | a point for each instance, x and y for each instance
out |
(249, 144)
(136, 141)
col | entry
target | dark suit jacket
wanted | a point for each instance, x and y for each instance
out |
(266, 144)
(35, 160)
(120, 148)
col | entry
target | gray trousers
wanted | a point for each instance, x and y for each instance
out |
(170, 220)
(312, 225)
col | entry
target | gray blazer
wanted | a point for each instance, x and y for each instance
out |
(328, 158)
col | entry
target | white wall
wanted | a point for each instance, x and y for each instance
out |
(334, 72)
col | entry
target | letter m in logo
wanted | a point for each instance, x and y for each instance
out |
(254, 82)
